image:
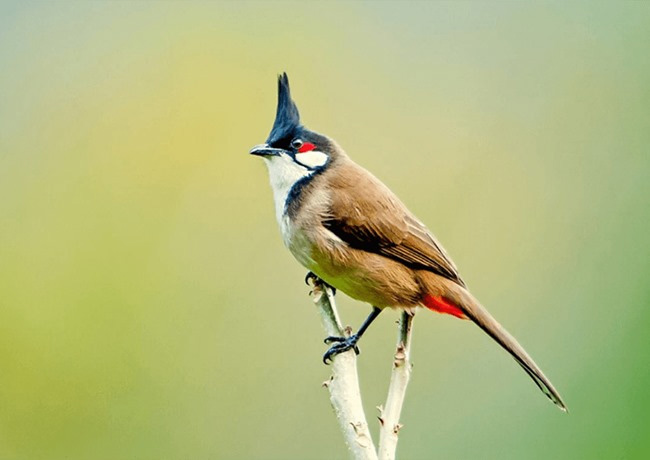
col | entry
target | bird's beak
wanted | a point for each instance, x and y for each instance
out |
(264, 150)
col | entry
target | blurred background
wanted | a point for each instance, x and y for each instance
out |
(148, 308)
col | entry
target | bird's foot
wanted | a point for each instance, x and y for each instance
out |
(311, 276)
(342, 344)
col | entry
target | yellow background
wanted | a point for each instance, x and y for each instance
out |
(148, 309)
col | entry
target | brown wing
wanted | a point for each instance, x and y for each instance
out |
(367, 215)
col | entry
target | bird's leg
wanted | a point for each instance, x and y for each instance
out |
(348, 343)
(315, 279)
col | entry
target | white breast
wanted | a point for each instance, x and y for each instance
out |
(284, 173)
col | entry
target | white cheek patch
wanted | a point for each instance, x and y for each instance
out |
(312, 159)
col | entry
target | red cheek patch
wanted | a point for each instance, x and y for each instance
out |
(306, 147)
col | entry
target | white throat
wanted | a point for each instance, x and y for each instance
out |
(283, 173)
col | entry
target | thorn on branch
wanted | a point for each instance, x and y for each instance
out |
(380, 408)
(400, 355)
(397, 427)
(316, 293)
(327, 382)
(362, 439)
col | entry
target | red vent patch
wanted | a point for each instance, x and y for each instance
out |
(443, 305)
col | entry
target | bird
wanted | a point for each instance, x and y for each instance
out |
(352, 232)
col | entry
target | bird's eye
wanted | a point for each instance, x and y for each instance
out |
(296, 143)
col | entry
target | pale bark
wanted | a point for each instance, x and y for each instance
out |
(343, 385)
(400, 375)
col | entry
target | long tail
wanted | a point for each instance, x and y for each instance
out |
(461, 299)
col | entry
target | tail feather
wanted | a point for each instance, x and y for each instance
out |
(475, 311)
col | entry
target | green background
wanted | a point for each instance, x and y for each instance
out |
(148, 309)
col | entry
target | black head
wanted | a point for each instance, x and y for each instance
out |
(287, 117)
(289, 137)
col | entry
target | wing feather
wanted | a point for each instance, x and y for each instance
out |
(368, 216)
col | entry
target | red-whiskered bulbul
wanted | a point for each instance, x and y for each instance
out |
(352, 232)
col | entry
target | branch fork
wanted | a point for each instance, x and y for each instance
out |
(343, 385)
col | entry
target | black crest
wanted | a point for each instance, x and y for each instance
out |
(287, 118)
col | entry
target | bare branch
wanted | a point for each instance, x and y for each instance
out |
(343, 385)
(390, 413)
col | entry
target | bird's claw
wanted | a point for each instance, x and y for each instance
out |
(311, 276)
(334, 339)
(342, 344)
